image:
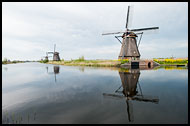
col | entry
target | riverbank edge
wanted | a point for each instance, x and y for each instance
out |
(12, 63)
(102, 64)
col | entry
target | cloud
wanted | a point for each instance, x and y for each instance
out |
(165, 47)
(76, 28)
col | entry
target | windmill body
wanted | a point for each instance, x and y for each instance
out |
(56, 56)
(129, 49)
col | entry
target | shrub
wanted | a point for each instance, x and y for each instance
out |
(4, 61)
(44, 61)
(81, 58)
(171, 61)
(124, 61)
(14, 61)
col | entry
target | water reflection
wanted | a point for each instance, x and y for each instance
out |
(130, 80)
(77, 96)
(81, 68)
(55, 71)
(173, 67)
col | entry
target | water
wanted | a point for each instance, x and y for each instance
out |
(45, 93)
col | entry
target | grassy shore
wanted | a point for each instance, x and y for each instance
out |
(114, 63)
(96, 63)
(172, 62)
(11, 62)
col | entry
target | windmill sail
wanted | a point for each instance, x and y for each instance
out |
(144, 29)
(54, 47)
(127, 17)
(113, 33)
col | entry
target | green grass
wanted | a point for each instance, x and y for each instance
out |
(124, 61)
(11, 62)
(44, 61)
(113, 63)
(83, 62)
(172, 62)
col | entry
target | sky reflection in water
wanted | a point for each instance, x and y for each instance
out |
(44, 93)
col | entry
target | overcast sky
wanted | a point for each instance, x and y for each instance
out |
(29, 30)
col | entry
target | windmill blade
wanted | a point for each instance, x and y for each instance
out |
(113, 33)
(144, 29)
(126, 26)
(130, 12)
(130, 21)
(54, 47)
(50, 52)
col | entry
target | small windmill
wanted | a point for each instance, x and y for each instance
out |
(55, 54)
(46, 57)
(129, 49)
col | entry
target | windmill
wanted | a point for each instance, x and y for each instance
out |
(129, 80)
(129, 49)
(46, 57)
(55, 54)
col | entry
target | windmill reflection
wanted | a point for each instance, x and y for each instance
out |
(55, 69)
(130, 80)
(81, 68)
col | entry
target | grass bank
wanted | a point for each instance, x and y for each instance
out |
(173, 62)
(11, 62)
(95, 63)
(114, 63)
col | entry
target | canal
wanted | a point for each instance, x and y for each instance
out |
(45, 93)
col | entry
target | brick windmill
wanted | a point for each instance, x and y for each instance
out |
(129, 49)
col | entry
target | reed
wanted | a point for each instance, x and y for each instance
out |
(17, 118)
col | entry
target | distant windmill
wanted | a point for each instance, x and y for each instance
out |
(129, 49)
(46, 57)
(55, 54)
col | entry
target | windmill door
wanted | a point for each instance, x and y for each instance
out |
(134, 63)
